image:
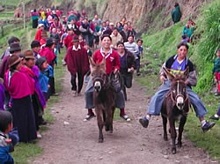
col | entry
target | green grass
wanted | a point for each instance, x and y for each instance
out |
(13, 3)
(25, 151)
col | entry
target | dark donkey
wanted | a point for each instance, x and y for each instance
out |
(175, 106)
(104, 97)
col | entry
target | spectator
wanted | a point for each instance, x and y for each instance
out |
(189, 29)
(176, 13)
(116, 37)
(139, 56)
(78, 64)
(216, 72)
(127, 65)
(7, 140)
(34, 17)
(22, 109)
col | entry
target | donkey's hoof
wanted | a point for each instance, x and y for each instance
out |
(107, 128)
(100, 140)
(179, 144)
(174, 150)
(165, 138)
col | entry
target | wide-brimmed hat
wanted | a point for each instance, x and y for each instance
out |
(14, 47)
(35, 43)
(12, 60)
(29, 54)
(13, 39)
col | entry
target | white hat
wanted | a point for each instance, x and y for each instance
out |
(40, 25)
(111, 24)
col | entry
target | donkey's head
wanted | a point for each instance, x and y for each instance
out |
(178, 88)
(98, 73)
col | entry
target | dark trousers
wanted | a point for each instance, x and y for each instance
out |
(52, 86)
(23, 118)
(80, 81)
(127, 82)
(36, 107)
(34, 23)
(138, 64)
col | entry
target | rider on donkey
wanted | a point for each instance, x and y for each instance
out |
(112, 66)
(178, 63)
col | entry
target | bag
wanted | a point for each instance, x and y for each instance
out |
(116, 82)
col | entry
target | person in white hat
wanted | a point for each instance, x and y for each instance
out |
(40, 28)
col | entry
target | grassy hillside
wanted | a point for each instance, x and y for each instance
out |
(201, 52)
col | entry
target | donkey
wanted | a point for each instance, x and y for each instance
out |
(104, 97)
(175, 106)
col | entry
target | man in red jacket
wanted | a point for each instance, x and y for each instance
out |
(112, 66)
(77, 64)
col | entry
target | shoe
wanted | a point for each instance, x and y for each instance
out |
(207, 126)
(88, 117)
(125, 117)
(213, 117)
(39, 136)
(42, 121)
(144, 122)
(217, 94)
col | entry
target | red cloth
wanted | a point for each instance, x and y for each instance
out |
(18, 85)
(68, 40)
(112, 61)
(217, 76)
(77, 61)
(38, 35)
(49, 54)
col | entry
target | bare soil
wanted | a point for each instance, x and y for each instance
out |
(130, 143)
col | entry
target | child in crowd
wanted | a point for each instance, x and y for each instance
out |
(49, 72)
(7, 140)
(43, 79)
(140, 55)
(216, 72)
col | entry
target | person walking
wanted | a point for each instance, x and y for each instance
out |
(178, 63)
(77, 62)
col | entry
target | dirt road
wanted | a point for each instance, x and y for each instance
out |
(130, 143)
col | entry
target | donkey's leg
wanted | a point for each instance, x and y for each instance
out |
(100, 122)
(164, 127)
(173, 134)
(181, 127)
(111, 119)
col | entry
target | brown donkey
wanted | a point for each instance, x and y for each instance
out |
(104, 97)
(175, 106)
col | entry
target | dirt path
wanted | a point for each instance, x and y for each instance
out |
(76, 143)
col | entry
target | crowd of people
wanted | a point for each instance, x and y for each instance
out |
(33, 68)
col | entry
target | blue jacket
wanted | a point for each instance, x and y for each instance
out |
(5, 157)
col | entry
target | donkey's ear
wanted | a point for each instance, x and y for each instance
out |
(103, 63)
(167, 72)
(91, 61)
(186, 72)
